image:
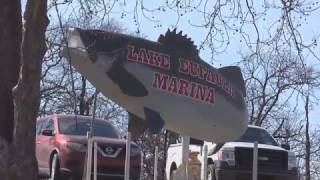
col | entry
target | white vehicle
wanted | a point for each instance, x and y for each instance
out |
(233, 160)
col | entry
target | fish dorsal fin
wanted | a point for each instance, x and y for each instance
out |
(178, 42)
(233, 74)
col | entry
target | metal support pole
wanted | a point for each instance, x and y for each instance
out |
(155, 167)
(204, 163)
(95, 160)
(185, 148)
(89, 157)
(185, 154)
(255, 161)
(127, 161)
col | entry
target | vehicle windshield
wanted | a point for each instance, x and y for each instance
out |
(259, 135)
(80, 127)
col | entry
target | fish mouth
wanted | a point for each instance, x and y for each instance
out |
(96, 43)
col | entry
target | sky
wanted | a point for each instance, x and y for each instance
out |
(231, 55)
(151, 25)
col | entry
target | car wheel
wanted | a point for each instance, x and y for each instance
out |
(172, 174)
(55, 168)
(211, 172)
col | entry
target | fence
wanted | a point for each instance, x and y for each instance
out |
(93, 146)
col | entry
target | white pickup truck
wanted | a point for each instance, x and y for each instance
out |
(233, 160)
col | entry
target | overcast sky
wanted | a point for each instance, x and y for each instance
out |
(152, 25)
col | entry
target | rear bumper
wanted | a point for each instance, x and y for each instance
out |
(223, 171)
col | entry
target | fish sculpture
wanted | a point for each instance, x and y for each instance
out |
(162, 84)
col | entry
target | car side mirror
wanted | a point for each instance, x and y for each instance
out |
(47, 132)
(285, 146)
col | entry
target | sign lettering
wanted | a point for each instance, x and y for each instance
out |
(186, 67)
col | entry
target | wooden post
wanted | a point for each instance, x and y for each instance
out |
(255, 161)
(127, 161)
(204, 163)
(155, 166)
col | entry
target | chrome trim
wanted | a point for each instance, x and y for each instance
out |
(114, 155)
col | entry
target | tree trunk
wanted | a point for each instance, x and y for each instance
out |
(10, 42)
(307, 160)
(27, 91)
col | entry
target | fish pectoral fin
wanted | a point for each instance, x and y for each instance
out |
(154, 120)
(136, 125)
(196, 141)
(128, 84)
(233, 74)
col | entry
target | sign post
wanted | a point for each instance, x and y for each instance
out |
(255, 162)
(155, 167)
(185, 154)
(127, 162)
(204, 163)
(89, 157)
(95, 160)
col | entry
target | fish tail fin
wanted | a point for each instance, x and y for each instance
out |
(233, 74)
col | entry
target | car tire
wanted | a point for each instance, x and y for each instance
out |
(172, 174)
(211, 174)
(55, 168)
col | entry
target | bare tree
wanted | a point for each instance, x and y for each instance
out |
(21, 162)
(279, 76)
(271, 80)
(307, 158)
(277, 83)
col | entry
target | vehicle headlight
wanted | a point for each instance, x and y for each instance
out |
(292, 161)
(76, 146)
(135, 151)
(228, 156)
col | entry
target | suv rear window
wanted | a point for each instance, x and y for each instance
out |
(80, 127)
(259, 135)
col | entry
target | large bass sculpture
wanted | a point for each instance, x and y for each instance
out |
(163, 83)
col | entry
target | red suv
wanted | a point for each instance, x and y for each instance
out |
(61, 148)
